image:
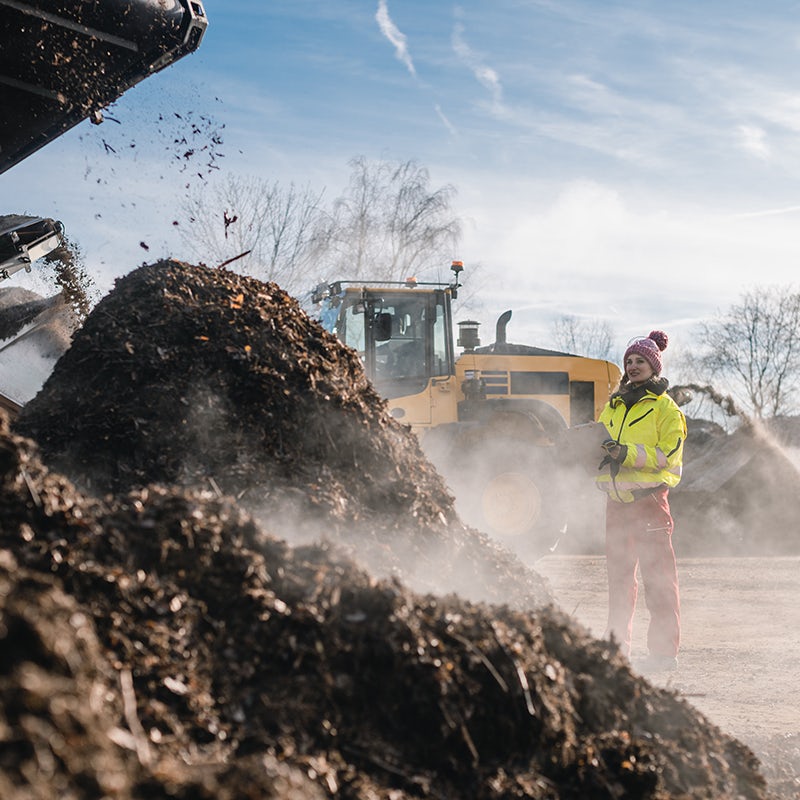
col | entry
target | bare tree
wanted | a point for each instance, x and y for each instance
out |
(389, 224)
(754, 348)
(587, 337)
(259, 228)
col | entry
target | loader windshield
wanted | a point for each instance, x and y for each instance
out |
(402, 337)
(402, 355)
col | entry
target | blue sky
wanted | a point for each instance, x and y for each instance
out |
(633, 161)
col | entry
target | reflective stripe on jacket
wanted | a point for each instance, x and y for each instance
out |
(654, 430)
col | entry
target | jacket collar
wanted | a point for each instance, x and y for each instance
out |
(630, 394)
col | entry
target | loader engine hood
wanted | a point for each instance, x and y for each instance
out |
(502, 346)
(62, 61)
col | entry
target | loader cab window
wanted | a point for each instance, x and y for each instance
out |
(441, 360)
(350, 328)
(403, 355)
(403, 338)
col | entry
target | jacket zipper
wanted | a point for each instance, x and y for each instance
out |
(639, 419)
(616, 439)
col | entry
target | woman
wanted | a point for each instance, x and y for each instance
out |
(643, 459)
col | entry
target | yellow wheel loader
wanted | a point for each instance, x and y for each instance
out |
(488, 417)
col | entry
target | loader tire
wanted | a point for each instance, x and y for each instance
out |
(511, 493)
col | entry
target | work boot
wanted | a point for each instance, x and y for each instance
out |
(654, 663)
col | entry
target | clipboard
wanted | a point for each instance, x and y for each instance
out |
(582, 444)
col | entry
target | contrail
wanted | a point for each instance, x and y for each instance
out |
(393, 34)
(485, 75)
(771, 212)
(449, 125)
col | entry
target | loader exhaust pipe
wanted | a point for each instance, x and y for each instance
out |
(502, 322)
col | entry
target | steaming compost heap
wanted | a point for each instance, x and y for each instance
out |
(735, 485)
(203, 378)
(161, 643)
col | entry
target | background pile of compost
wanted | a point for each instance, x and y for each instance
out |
(190, 654)
(196, 377)
(740, 492)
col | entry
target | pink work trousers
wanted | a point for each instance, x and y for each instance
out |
(640, 533)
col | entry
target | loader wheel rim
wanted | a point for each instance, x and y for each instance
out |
(512, 504)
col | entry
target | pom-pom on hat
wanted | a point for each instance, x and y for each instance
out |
(649, 348)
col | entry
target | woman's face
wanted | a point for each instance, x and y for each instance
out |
(637, 368)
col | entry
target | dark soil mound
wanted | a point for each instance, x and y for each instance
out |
(196, 377)
(232, 664)
(57, 702)
(190, 376)
(247, 668)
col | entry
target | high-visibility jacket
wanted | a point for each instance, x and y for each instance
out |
(654, 430)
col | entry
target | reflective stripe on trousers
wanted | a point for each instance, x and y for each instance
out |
(641, 533)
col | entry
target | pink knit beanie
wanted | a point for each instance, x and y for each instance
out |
(649, 348)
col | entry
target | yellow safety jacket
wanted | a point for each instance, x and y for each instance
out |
(652, 426)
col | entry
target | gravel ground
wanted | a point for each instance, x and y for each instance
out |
(740, 649)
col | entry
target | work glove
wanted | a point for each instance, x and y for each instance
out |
(614, 450)
(614, 455)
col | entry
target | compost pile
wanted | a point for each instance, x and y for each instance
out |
(159, 641)
(734, 484)
(162, 644)
(201, 378)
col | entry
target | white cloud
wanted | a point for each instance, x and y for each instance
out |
(754, 141)
(637, 260)
(763, 110)
(749, 95)
(394, 35)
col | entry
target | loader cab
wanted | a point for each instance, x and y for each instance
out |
(403, 334)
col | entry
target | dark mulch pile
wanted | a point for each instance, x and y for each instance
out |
(196, 377)
(191, 376)
(201, 656)
(58, 707)
(190, 654)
